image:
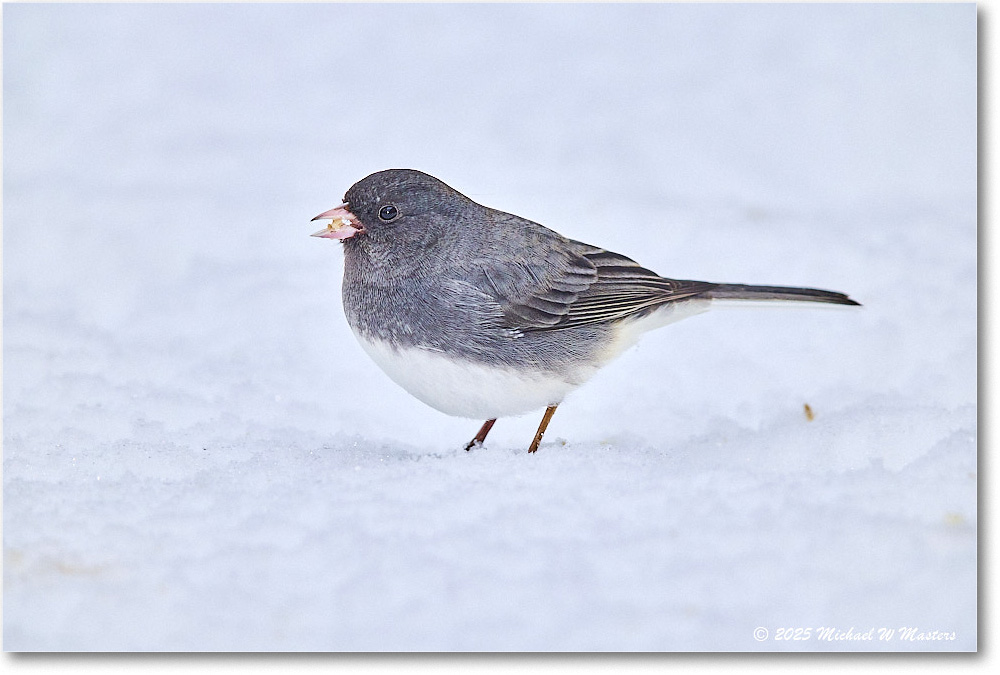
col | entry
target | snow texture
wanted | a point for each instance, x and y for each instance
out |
(197, 455)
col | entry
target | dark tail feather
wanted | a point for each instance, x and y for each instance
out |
(745, 292)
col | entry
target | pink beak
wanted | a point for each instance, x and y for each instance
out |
(343, 224)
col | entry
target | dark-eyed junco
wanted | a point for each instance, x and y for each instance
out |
(483, 314)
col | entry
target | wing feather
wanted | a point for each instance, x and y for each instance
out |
(578, 285)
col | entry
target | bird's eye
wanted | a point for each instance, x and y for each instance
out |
(388, 212)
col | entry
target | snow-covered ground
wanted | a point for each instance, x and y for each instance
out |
(197, 455)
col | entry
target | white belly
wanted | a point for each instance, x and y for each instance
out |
(463, 388)
(466, 389)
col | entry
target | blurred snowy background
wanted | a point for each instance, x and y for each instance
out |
(198, 456)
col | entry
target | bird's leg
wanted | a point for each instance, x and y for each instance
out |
(541, 428)
(481, 436)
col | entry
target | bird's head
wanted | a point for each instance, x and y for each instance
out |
(402, 205)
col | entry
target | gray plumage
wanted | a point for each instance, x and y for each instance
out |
(481, 313)
(451, 275)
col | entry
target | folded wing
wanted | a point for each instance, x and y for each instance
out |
(576, 284)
